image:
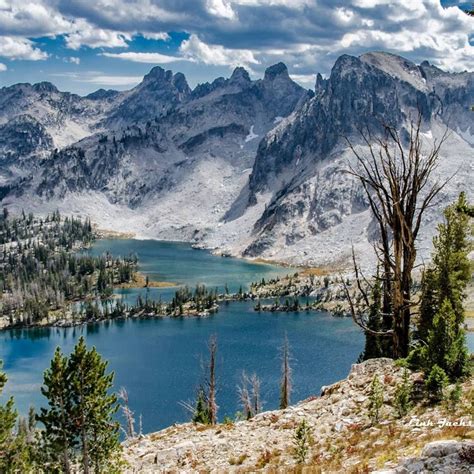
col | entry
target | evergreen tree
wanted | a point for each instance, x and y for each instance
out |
(446, 346)
(93, 407)
(79, 417)
(59, 427)
(201, 410)
(373, 344)
(440, 326)
(7, 423)
(451, 257)
(375, 400)
(428, 303)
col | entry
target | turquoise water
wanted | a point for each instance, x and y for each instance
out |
(179, 263)
(159, 361)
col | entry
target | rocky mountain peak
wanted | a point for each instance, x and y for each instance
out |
(158, 74)
(240, 75)
(45, 87)
(102, 94)
(180, 82)
(277, 70)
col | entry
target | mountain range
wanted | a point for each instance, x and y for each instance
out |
(253, 168)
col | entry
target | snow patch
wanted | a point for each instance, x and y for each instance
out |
(251, 136)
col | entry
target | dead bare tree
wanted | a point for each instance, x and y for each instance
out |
(250, 399)
(397, 181)
(211, 396)
(127, 413)
(285, 385)
(244, 397)
(256, 401)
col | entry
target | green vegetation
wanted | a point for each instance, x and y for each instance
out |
(77, 427)
(302, 440)
(436, 383)
(41, 273)
(202, 299)
(375, 400)
(440, 331)
(403, 393)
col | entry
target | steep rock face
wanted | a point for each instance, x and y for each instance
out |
(166, 145)
(159, 92)
(303, 161)
(246, 167)
(67, 117)
(24, 144)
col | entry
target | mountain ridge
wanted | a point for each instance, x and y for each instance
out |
(245, 167)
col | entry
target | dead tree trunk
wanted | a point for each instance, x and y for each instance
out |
(397, 182)
(212, 381)
(285, 386)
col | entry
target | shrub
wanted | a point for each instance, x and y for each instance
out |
(302, 440)
(403, 392)
(375, 400)
(436, 383)
(454, 397)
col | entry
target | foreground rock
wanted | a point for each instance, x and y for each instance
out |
(343, 438)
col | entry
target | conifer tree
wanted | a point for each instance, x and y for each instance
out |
(93, 407)
(373, 344)
(446, 343)
(428, 303)
(79, 417)
(59, 428)
(7, 423)
(440, 326)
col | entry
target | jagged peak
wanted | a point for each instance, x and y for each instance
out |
(396, 66)
(158, 74)
(102, 94)
(240, 74)
(180, 82)
(45, 87)
(277, 70)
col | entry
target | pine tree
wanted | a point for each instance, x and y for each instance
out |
(93, 407)
(58, 425)
(79, 417)
(8, 417)
(373, 344)
(446, 343)
(375, 400)
(428, 303)
(201, 410)
(440, 326)
(451, 257)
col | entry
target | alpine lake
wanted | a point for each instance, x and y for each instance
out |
(160, 361)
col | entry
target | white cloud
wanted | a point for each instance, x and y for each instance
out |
(161, 36)
(306, 80)
(221, 8)
(88, 35)
(3, 67)
(196, 50)
(31, 18)
(20, 48)
(148, 58)
(73, 60)
(112, 80)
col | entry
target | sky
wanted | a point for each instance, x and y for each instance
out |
(84, 45)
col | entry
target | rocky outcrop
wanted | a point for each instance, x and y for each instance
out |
(342, 436)
(447, 457)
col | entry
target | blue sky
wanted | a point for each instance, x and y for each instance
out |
(83, 45)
